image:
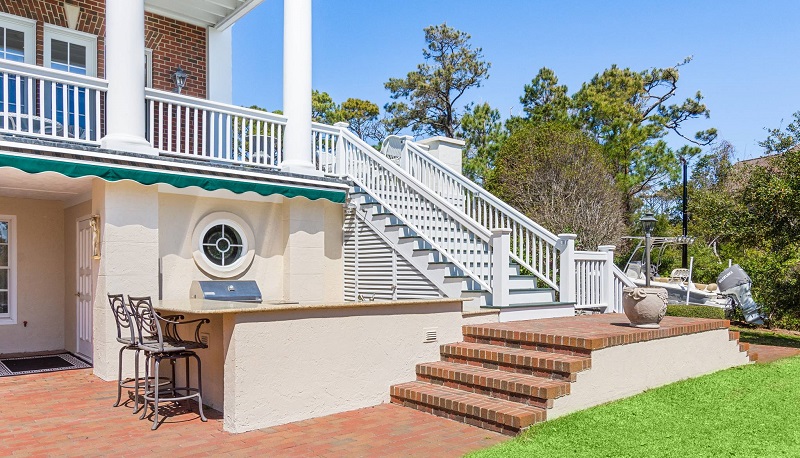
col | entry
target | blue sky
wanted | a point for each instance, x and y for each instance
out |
(745, 52)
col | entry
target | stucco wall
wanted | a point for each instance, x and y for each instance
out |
(287, 366)
(178, 217)
(625, 370)
(71, 216)
(40, 276)
(298, 243)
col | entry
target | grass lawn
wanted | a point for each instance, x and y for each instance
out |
(750, 411)
(767, 337)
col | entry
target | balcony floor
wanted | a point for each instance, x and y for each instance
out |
(69, 414)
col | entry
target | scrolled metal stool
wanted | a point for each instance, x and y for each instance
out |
(159, 345)
(126, 335)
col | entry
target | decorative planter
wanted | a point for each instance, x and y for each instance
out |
(644, 307)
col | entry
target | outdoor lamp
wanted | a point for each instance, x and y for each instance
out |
(648, 224)
(179, 78)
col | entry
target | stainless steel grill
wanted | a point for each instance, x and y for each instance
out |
(220, 290)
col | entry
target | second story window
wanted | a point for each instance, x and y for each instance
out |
(17, 39)
(12, 44)
(73, 52)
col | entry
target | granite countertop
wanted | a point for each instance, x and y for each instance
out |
(203, 306)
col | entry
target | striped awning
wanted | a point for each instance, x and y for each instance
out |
(179, 177)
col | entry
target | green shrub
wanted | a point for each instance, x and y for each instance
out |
(696, 311)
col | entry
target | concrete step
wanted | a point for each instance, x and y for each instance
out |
(525, 389)
(489, 413)
(539, 363)
(529, 295)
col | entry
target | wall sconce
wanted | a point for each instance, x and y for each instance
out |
(179, 78)
(94, 223)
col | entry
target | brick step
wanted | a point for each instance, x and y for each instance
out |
(489, 413)
(531, 362)
(525, 389)
(545, 342)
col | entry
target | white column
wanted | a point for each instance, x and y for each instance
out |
(501, 270)
(567, 283)
(125, 113)
(220, 65)
(607, 285)
(297, 86)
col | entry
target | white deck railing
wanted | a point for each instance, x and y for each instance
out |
(619, 281)
(202, 129)
(532, 246)
(50, 104)
(461, 240)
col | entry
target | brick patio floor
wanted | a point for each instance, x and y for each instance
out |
(69, 414)
(769, 353)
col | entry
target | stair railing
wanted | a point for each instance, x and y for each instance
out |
(532, 246)
(463, 241)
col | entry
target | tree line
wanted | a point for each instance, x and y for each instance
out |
(591, 160)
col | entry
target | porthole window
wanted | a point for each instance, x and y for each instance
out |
(223, 245)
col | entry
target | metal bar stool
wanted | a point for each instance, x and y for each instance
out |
(164, 344)
(126, 335)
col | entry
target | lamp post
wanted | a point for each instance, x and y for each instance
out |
(648, 223)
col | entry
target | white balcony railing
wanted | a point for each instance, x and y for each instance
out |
(50, 104)
(202, 129)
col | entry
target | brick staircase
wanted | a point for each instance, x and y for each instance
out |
(504, 378)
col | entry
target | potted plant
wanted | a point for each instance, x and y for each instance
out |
(645, 307)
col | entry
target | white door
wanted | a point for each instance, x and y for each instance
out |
(84, 289)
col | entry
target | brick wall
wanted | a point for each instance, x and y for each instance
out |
(176, 43)
(173, 42)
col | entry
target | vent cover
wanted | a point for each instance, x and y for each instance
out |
(431, 335)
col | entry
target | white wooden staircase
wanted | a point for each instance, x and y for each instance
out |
(409, 210)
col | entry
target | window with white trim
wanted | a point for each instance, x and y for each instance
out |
(17, 43)
(17, 39)
(73, 52)
(8, 270)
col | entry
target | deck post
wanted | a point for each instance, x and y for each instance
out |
(341, 165)
(297, 88)
(607, 281)
(501, 269)
(125, 106)
(567, 284)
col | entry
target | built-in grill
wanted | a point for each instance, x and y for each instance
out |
(220, 290)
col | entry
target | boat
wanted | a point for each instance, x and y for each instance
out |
(732, 289)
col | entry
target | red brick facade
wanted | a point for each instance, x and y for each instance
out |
(173, 42)
(176, 43)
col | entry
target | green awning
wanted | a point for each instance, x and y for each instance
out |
(113, 172)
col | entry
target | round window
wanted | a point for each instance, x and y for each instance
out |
(223, 245)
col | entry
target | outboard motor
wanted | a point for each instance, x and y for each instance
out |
(735, 283)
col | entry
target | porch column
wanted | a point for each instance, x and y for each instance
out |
(297, 87)
(125, 111)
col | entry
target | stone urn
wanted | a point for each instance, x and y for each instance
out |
(644, 307)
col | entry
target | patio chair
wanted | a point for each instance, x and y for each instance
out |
(126, 335)
(159, 344)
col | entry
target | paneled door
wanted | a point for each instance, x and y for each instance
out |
(85, 293)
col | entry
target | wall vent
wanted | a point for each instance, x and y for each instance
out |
(431, 335)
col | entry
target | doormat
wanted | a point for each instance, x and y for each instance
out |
(44, 363)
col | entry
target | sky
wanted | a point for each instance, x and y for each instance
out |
(745, 52)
